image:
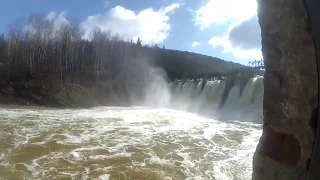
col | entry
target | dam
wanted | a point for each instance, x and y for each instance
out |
(180, 131)
(234, 94)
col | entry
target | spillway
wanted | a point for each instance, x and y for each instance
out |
(194, 130)
(207, 99)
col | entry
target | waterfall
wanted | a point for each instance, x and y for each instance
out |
(184, 94)
(245, 106)
(248, 106)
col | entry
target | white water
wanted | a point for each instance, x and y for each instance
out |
(138, 142)
(247, 107)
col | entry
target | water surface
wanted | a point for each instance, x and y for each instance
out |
(123, 143)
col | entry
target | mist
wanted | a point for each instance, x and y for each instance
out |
(203, 98)
(157, 92)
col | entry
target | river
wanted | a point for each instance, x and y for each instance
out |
(128, 143)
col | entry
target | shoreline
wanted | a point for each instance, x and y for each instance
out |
(62, 95)
(9, 101)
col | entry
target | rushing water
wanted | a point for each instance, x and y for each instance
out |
(123, 143)
(188, 96)
(134, 142)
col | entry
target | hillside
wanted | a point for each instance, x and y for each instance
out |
(59, 68)
(179, 63)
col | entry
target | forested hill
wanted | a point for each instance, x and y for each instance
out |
(67, 52)
(45, 64)
(179, 63)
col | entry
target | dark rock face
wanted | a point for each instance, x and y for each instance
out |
(290, 91)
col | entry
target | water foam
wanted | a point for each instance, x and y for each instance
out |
(135, 142)
(189, 96)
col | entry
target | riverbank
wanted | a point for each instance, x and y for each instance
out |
(63, 95)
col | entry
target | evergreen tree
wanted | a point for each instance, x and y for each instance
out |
(139, 42)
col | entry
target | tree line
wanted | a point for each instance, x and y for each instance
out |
(41, 49)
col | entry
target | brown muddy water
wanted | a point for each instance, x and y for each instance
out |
(110, 143)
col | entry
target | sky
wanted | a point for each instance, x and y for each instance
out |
(227, 29)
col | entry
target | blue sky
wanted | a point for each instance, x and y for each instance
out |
(227, 29)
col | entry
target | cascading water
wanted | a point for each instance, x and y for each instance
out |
(127, 143)
(185, 94)
(248, 106)
(245, 106)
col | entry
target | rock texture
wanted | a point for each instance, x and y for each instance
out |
(290, 91)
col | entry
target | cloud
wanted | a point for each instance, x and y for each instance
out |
(51, 16)
(222, 11)
(170, 8)
(150, 25)
(246, 35)
(195, 44)
(106, 4)
(59, 20)
(242, 39)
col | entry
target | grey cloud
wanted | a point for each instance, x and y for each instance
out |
(246, 35)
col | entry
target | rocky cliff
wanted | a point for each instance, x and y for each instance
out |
(290, 91)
